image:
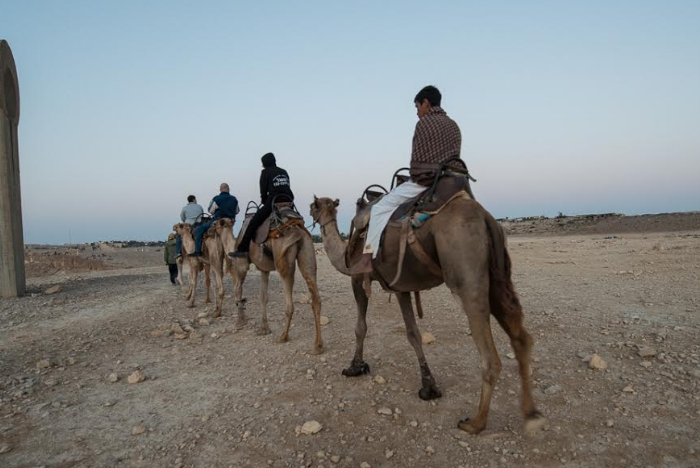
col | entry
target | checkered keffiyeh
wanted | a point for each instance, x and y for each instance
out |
(437, 138)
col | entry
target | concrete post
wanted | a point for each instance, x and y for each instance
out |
(12, 279)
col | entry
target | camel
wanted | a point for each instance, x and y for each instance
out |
(212, 258)
(295, 247)
(469, 246)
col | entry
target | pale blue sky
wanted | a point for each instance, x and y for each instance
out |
(129, 106)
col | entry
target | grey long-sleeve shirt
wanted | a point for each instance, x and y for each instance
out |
(191, 213)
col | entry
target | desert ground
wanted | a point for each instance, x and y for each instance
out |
(616, 292)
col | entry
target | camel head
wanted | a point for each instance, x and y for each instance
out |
(323, 210)
(224, 229)
(181, 228)
(222, 224)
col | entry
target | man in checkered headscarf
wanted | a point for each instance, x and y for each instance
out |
(437, 138)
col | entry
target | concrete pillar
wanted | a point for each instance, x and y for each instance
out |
(12, 280)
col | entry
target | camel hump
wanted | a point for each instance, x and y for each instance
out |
(447, 189)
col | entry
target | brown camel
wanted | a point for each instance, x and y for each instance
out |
(469, 246)
(212, 258)
(295, 247)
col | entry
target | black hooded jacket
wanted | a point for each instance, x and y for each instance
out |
(274, 181)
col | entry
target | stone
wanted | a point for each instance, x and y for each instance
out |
(304, 299)
(645, 364)
(44, 364)
(180, 336)
(310, 374)
(157, 333)
(429, 450)
(325, 320)
(71, 361)
(510, 355)
(384, 411)
(136, 377)
(176, 328)
(388, 454)
(380, 380)
(428, 338)
(202, 315)
(365, 465)
(204, 322)
(628, 389)
(138, 430)
(5, 448)
(50, 382)
(113, 377)
(53, 290)
(335, 459)
(552, 389)
(597, 363)
(413, 423)
(646, 352)
(610, 423)
(311, 427)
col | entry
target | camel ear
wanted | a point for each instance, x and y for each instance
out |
(336, 202)
(315, 201)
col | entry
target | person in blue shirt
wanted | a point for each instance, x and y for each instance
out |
(224, 205)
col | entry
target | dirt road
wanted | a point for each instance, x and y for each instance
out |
(227, 398)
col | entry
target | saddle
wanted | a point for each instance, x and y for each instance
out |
(284, 215)
(450, 183)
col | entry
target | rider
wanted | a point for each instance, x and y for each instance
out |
(224, 205)
(274, 185)
(190, 214)
(436, 139)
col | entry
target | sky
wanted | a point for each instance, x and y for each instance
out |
(128, 106)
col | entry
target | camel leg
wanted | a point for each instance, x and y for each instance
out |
(358, 366)
(429, 389)
(288, 279)
(239, 271)
(179, 271)
(207, 281)
(476, 307)
(307, 267)
(219, 277)
(194, 273)
(510, 317)
(264, 328)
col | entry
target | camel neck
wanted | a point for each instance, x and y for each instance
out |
(335, 246)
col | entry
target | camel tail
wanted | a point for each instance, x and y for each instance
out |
(502, 296)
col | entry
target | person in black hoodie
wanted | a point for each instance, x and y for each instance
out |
(274, 185)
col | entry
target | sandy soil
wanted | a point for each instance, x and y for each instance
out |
(227, 398)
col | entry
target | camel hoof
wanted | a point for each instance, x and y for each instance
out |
(316, 350)
(356, 369)
(190, 305)
(282, 338)
(429, 393)
(534, 422)
(468, 426)
(263, 330)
